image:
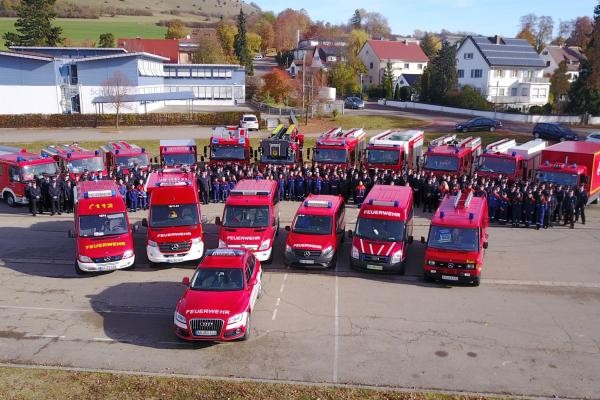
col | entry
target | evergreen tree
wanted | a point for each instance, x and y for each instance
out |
(430, 45)
(356, 20)
(443, 75)
(388, 80)
(397, 93)
(422, 85)
(559, 84)
(240, 43)
(106, 40)
(34, 25)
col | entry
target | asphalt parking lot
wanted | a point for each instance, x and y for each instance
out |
(531, 328)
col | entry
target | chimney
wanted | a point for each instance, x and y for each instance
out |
(498, 39)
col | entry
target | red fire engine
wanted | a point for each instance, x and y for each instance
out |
(338, 148)
(126, 156)
(446, 155)
(394, 149)
(511, 160)
(229, 145)
(178, 152)
(17, 168)
(283, 147)
(75, 160)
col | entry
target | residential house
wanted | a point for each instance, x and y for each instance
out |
(505, 71)
(571, 55)
(168, 48)
(325, 57)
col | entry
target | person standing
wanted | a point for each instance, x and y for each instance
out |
(569, 205)
(34, 195)
(67, 195)
(54, 197)
(517, 206)
(582, 199)
(540, 211)
(359, 193)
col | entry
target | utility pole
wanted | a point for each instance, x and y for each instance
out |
(304, 80)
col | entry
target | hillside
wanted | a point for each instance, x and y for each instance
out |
(210, 8)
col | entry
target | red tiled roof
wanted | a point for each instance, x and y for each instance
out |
(168, 48)
(389, 50)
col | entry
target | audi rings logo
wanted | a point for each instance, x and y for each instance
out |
(306, 253)
(174, 246)
(450, 265)
(106, 259)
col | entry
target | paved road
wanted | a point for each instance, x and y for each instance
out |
(531, 328)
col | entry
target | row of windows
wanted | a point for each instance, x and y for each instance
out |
(194, 72)
(406, 66)
(211, 92)
(536, 93)
(513, 73)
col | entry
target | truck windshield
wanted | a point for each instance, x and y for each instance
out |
(388, 157)
(179, 159)
(218, 279)
(331, 155)
(227, 153)
(498, 165)
(312, 224)
(246, 217)
(460, 239)
(92, 164)
(102, 225)
(441, 163)
(174, 215)
(380, 229)
(29, 172)
(276, 151)
(558, 178)
(130, 161)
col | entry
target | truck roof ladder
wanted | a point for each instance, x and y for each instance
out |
(442, 140)
(463, 200)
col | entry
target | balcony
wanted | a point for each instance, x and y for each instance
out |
(528, 80)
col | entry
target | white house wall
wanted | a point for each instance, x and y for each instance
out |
(478, 62)
(30, 99)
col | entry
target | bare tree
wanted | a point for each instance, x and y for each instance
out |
(115, 89)
(544, 32)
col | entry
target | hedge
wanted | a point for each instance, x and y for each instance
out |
(93, 120)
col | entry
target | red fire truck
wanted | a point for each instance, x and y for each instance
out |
(75, 160)
(125, 155)
(17, 168)
(283, 147)
(338, 148)
(394, 149)
(178, 152)
(104, 239)
(383, 229)
(572, 164)
(251, 218)
(457, 239)
(447, 155)
(174, 223)
(511, 160)
(229, 145)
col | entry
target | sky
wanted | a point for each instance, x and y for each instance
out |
(486, 17)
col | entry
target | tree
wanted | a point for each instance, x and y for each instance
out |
(34, 25)
(405, 93)
(376, 25)
(254, 42)
(175, 29)
(240, 44)
(226, 32)
(536, 30)
(115, 89)
(582, 30)
(388, 80)
(430, 45)
(277, 85)
(356, 20)
(344, 79)
(565, 30)
(423, 86)
(209, 52)
(288, 23)
(106, 40)
(356, 41)
(264, 28)
(526, 34)
(443, 76)
(559, 84)
(396, 92)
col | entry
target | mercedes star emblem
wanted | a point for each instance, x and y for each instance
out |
(306, 253)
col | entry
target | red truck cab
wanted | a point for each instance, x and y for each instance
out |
(572, 164)
(229, 145)
(338, 148)
(251, 218)
(125, 155)
(174, 220)
(510, 160)
(17, 169)
(283, 147)
(394, 149)
(178, 152)
(383, 229)
(103, 236)
(457, 239)
(75, 161)
(218, 301)
(317, 232)
(446, 155)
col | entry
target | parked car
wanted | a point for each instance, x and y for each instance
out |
(478, 124)
(258, 56)
(554, 131)
(354, 103)
(249, 121)
(593, 137)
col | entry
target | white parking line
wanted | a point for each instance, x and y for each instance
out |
(277, 302)
(30, 335)
(281, 288)
(336, 333)
(274, 315)
(103, 339)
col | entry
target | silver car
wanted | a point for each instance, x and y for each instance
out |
(249, 121)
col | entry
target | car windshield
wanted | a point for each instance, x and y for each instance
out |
(389, 157)
(460, 239)
(228, 152)
(330, 155)
(498, 165)
(164, 216)
(246, 216)
(92, 164)
(179, 159)
(29, 172)
(218, 279)
(558, 178)
(312, 224)
(102, 225)
(441, 163)
(250, 119)
(130, 161)
(380, 229)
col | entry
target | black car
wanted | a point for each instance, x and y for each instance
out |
(354, 103)
(478, 124)
(554, 131)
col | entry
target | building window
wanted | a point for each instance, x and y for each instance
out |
(535, 93)
(542, 93)
(476, 73)
(513, 91)
(499, 73)
(238, 92)
(406, 66)
(371, 66)
(461, 73)
(524, 92)
(183, 72)
(468, 56)
(419, 66)
(501, 91)
(547, 63)
(514, 73)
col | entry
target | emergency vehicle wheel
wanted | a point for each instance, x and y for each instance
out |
(10, 200)
(78, 270)
(428, 278)
(248, 328)
(333, 262)
(402, 269)
(476, 281)
(153, 264)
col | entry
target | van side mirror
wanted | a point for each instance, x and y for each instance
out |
(204, 219)
(485, 245)
(218, 221)
(71, 234)
(423, 239)
(350, 233)
(145, 223)
(287, 228)
(410, 239)
(185, 281)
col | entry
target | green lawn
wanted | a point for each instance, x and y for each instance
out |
(375, 122)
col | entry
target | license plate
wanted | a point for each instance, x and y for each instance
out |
(107, 267)
(174, 260)
(375, 267)
(205, 333)
(450, 278)
(306, 261)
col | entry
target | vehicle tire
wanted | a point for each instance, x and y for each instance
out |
(492, 129)
(536, 135)
(333, 263)
(10, 200)
(130, 268)
(427, 278)
(79, 271)
(402, 269)
(153, 264)
(269, 260)
(476, 281)
(248, 328)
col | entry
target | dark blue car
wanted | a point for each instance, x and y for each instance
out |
(554, 131)
(354, 103)
(478, 124)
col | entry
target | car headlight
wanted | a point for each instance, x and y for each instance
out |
(265, 245)
(397, 257)
(85, 259)
(431, 262)
(222, 243)
(152, 243)
(236, 318)
(128, 253)
(327, 250)
(355, 253)
(196, 240)
(288, 248)
(470, 266)
(180, 318)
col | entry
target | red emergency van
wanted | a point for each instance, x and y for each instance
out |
(316, 232)
(457, 239)
(174, 223)
(218, 302)
(125, 155)
(75, 160)
(229, 145)
(17, 169)
(510, 160)
(251, 218)
(103, 236)
(338, 148)
(384, 229)
(178, 152)
(447, 155)
(395, 149)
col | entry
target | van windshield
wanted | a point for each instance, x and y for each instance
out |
(218, 279)
(459, 239)
(92, 164)
(441, 163)
(312, 224)
(380, 229)
(140, 160)
(558, 178)
(246, 216)
(164, 216)
(29, 172)
(330, 155)
(388, 157)
(498, 165)
(228, 152)
(102, 225)
(179, 159)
